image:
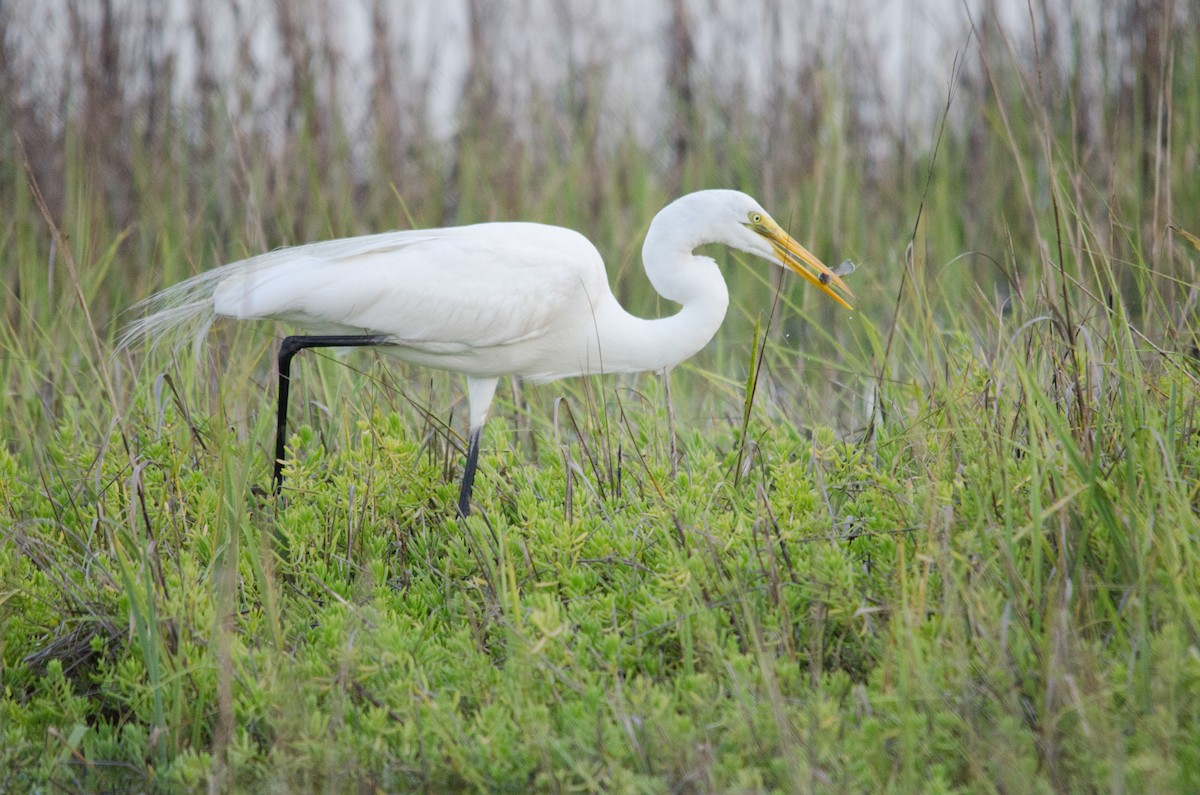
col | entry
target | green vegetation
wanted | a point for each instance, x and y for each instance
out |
(946, 543)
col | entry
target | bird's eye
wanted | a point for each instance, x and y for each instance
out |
(756, 218)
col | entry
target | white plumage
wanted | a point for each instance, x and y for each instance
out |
(497, 299)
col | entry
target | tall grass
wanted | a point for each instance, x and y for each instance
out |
(945, 543)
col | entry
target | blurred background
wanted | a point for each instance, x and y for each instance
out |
(192, 132)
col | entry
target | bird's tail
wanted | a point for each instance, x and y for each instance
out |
(182, 311)
(246, 289)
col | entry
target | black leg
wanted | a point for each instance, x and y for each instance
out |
(464, 496)
(289, 348)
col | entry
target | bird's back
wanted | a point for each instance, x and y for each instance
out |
(444, 295)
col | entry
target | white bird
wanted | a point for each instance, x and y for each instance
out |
(491, 300)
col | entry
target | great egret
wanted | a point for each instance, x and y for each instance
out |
(491, 300)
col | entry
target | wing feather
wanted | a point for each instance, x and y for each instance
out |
(441, 289)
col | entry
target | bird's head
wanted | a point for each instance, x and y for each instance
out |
(754, 231)
(733, 219)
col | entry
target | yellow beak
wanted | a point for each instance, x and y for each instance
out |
(799, 259)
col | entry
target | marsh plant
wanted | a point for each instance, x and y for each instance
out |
(948, 542)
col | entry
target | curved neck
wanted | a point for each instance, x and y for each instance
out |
(631, 344)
